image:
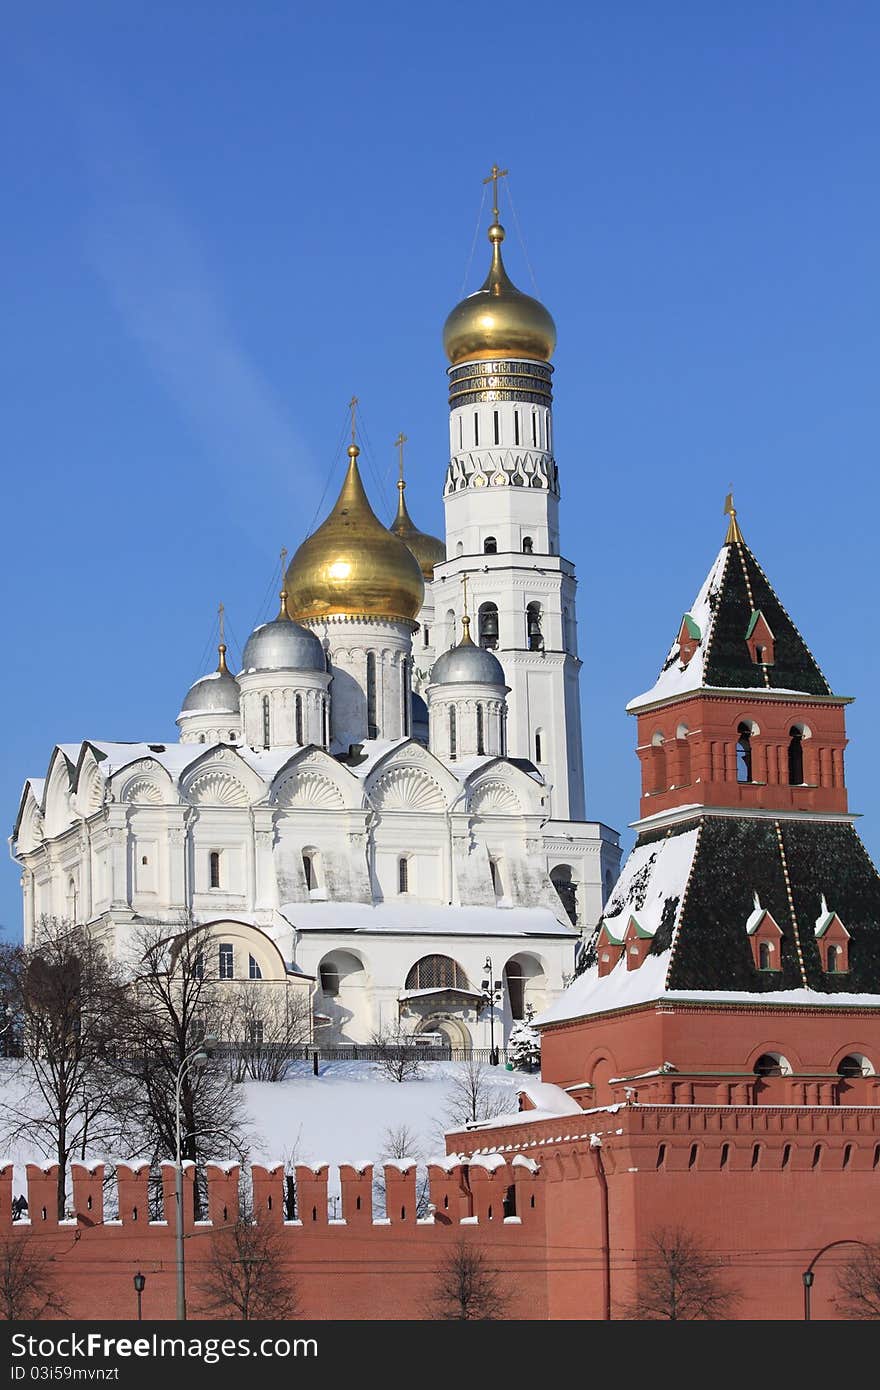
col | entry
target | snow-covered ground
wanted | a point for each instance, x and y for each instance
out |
(340, 1116)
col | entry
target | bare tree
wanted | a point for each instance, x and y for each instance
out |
(858, 1285)
(70, 1005)
(265, 1027)
(244, 1277)
(472, 1097)
(28, 1289)
(680, 1278)
(179, 999)
(467, 1287)
(400, 1056)
(402, 1142)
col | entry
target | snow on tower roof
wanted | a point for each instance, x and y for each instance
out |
(721, 621)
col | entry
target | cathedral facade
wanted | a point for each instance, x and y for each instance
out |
(384, 808)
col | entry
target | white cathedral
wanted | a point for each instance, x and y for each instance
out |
(382, 802)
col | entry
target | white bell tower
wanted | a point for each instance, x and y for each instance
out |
(501, 500)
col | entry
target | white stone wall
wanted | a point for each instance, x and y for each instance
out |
(283, 689)
(350, 641)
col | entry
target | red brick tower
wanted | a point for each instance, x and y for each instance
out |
(722, 1036)
(748, 905)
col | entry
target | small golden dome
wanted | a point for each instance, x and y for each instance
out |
(428, 550)
(353, 564)
(499, 320)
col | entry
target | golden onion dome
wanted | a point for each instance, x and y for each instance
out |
(499, 320)
(428, 550)
(352, 564)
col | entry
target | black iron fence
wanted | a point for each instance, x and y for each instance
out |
(372, 1052)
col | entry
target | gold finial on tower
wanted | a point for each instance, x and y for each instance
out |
(493, 178)
(465, 617)
(398, 444)
(353, 405)
(734, 534)
(221, 647)
(282, 612)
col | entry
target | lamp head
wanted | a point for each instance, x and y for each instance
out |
(139, 1282)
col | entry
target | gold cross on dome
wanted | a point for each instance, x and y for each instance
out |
(353, 405)
(221, 614)
(493, 178)
(464, 593)
(398, 444)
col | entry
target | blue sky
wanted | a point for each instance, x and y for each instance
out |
(221, 220)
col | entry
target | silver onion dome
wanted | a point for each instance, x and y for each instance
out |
(216, 693)
(282, 645)
(467, 664)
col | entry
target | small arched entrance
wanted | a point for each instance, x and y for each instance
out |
(453, 1031)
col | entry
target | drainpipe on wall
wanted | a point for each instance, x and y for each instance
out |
(598, 1164)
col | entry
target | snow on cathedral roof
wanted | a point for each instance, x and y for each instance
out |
(720, 621)
(422, 919)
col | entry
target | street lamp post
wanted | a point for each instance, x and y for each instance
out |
(808, 1276)
(492, 994)
(139, 1282)
(197, 1058)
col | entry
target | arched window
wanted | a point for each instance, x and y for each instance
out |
(71, 899)
(329, 976)
(525, 980)
(684, 755)
(833, 960)
(490, 546)
(539, 747)
(534, 428)
(227, 965)
(504, 732)
(515, 981)
(267, 729)
(298, 716)
(476, 427)
(497, 426)
(548, 429)
(796, 756)
(481, 737)
(744, 753)
(528, 545)
(214, 868)
(459, 547)
(854, 1064)
(772, 1064)
(533, 628)
(310, 868)
(450, 627)
(487, 625)
(495, 875)
(404, 696)
(765, 961)
(659, 780)
(403, 874)
(324, 721)
(372, 727)
(254, 971)
(561, 878)
(516, 438)
(436, 972)
(453, 742)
